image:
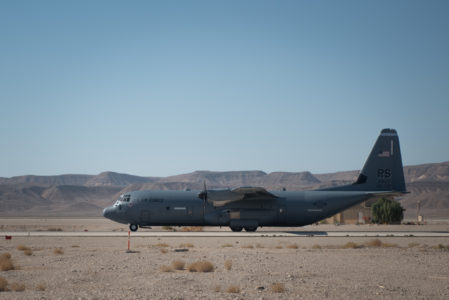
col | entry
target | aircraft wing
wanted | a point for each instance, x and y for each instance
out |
(223, 197)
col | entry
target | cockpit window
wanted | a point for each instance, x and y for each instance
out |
(124, 198)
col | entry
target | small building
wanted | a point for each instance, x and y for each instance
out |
(357, 214)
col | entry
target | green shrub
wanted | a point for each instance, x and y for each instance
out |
(386, 211)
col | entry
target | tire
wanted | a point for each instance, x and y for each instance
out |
(133, 227)
(236, 229)
(251, 229)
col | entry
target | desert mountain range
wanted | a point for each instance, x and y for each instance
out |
(86, 195)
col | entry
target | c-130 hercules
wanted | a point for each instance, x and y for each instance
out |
(251, 207)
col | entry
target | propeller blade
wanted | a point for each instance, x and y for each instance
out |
(203, 193)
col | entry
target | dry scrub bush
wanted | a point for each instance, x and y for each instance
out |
(166, 269)
(292, 246)
(316, 246)
(278, 287)
(26, 250)
(3, 284)
(161, 245)
(5, 262)
(58, 251)
(351, 245)
(186, 245)
(228, 264)
(75, 246)
(22, 248)
(248, 246)
(178, 264)
(441, 247)
(226, 245)
(278, 247)
(260, 246)
(233, 289)
(374, 243)
(6, 255)
(163, 250)
(167, 228)
(17, 287)
(411, 245)
(192, 228)
(41, 287)
(217, 288)
(201, 266)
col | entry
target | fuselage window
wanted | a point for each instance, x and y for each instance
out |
(167, 208)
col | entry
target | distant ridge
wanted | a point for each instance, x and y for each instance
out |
(117, 179)
(69, 179)
(86, 195)
(102, 179)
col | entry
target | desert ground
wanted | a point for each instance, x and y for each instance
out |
(300, 267)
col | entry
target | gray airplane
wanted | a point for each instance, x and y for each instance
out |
(251, 207)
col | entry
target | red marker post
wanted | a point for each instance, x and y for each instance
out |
(129, 240)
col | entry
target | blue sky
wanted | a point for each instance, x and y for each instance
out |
(158, 88)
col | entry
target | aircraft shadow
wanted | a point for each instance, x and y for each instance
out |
(308, 233)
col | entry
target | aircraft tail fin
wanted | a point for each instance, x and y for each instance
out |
(383, 169)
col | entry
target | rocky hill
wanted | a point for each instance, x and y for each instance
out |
(67, 179)
(86, 195)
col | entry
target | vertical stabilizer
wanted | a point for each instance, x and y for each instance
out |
(383, 169)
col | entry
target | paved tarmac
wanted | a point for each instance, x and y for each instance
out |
(232, 234)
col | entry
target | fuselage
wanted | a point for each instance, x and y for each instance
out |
(185, 208)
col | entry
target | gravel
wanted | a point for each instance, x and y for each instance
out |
(101, 268)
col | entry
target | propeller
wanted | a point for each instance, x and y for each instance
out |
(203, 195)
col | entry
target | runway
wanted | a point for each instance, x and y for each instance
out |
(232, 234)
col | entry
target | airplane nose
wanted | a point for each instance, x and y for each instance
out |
(107, 212)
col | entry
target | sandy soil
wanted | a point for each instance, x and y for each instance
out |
(308, 267)
(100, 268)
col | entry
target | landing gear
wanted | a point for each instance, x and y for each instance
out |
(251, 229)
(133, 227)
(236, 228)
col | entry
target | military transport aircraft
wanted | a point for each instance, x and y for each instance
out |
(251, 207)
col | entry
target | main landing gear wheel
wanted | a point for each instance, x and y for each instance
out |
(251, 229)
(236, 229)
(133, 227)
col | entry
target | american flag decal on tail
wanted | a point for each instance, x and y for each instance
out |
(384, 154)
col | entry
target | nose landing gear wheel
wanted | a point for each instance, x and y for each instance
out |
(133, 227)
